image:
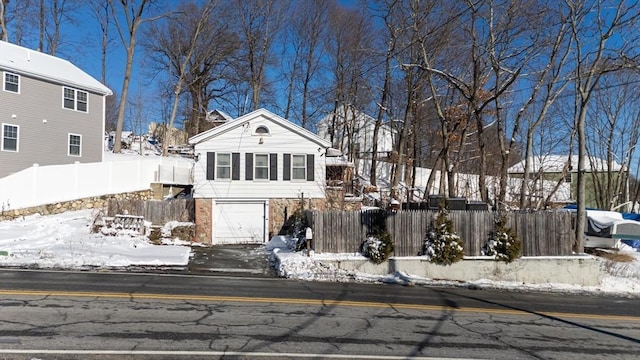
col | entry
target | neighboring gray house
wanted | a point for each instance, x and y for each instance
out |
(51, 112)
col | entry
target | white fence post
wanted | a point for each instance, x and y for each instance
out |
(34, 193)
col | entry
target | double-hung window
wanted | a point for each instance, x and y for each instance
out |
(223, 166)
(262, 166)
(298, 167)
(74, 99)
(9, 137)
(75, 145)
(11, 82)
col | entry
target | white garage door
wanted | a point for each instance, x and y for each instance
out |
(239, 223)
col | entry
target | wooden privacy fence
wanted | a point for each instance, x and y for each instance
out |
(544, 233)
(158, 212)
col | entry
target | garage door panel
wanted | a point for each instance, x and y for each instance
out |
(239, 223)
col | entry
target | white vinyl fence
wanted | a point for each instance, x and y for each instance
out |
(40, 185)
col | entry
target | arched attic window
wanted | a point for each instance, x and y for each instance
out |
(262, 130)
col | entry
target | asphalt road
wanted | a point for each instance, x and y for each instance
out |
(80, 315)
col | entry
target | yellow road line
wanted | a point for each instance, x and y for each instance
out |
(239, 299)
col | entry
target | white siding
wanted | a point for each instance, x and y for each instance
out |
(241, 139)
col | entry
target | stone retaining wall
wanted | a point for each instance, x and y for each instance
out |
(97, 202)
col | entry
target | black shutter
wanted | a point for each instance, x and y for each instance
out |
(286, 170)
(235, 166)
(273, 166)
(310, 167)
(211, 165)
(248, 168)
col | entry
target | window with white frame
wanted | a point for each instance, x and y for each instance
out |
(11, 82)
(75, 145)
(223, 166)
(9, 137)
(74, 99)
(298, 167)
(261, 165)
(81, 101)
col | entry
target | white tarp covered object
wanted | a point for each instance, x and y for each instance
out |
(608, 228)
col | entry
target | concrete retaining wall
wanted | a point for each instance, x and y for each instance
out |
(575, 270)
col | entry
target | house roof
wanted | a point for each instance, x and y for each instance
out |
(230, 125)
(555, 163)
(22, 60)
(218, 116)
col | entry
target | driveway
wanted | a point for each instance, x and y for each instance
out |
(238, 260)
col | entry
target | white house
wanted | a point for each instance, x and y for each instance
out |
(253, 172)
(341, 126)
(546, 171)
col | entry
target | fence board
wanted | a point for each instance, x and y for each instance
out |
(157, 212)
(542, 233)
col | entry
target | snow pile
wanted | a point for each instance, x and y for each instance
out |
(66, 241)
(620, 278)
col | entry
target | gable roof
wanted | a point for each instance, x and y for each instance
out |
(218, 116)
(230, 125)
(22, 60)
(555, 163)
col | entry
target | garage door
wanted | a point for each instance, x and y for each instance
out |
(239, 223)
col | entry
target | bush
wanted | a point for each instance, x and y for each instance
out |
(442, 245)
(503, 244)
(298, 229)
(377, 247)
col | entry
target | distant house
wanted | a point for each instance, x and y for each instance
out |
(351, 132)
(175, 137)
(251, 174)
(547, 170)
(216, 118)
(51, 111)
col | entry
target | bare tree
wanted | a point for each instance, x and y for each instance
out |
(20, 19)
(100, 10)
(258, 24)
(612, 135)
(390, 26)
(4, 35)
(187, 53)
(132, 12)
(307, 29)
(593, 27)
(347, 44)
(549, 83)
(202, 63)
(52, 15)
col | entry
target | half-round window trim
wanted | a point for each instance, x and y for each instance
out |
(263, 128)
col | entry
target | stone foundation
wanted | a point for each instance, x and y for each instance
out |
(281, 209)
(204, 216)
(98, 202)
(336, 200)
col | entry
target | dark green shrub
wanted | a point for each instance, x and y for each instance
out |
(442, 245)
(377, 247)
(298, 229)
(503, 243)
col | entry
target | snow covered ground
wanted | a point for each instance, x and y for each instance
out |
(65, 241)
